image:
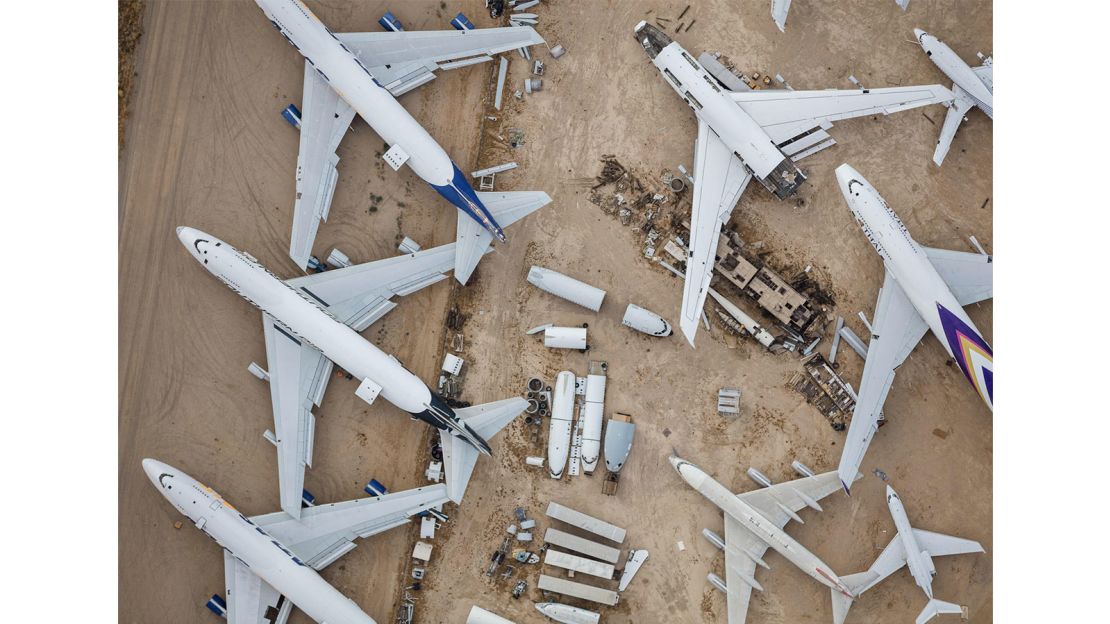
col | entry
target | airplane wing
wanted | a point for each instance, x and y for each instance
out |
(459, 457)
(791, 116)
(719, 180)
(940, 545)
(740, 568)
(361, 294)
(325, 533)
(970, 276)
(298, 377)
(780, 502)
(779, 10)
(325, 118)
(952, 119)
(472, 241)
(896, 330)
(249, 598)
(890, 561)
(402, 61)
(986, 74)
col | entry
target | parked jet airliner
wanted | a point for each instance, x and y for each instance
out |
(924, 289)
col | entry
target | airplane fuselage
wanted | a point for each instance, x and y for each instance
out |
(959, 72)
(907, 263)
(712, 105)
(757, 523)
(266, 557)
(305, 322)
(919, 567)
(349, 77)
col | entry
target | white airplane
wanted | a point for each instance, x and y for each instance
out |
(363, 73)
(746, 134)
(271, 562)
(313, 321)
(924, 288)
(915, 549)
(754, 522)
(972, 86)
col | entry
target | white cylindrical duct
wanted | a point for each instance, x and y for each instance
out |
(562, 414)
(591, 428)
(565, 338)
(645, 321)
(566, 287)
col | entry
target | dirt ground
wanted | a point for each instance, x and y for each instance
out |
(206, 147)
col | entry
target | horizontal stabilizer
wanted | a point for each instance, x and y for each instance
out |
(459, 457)
(935, 607)
(472, 241)
(840, 606)
(956, 111)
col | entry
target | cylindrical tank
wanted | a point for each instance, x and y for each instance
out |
(716, 581)
(566, 287)
(565, 338)
(562, 415)
(591, 428)
(478, 615)
(645, 321)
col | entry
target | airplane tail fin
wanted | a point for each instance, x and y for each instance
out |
(856, 583)
(473, 240)
(459, 456)
(935, 607)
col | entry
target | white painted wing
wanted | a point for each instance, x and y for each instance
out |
(325, 533)
(952, 119)
(472, 241)
(719, 180)
(459, 457)
(970, 276)
(298, 377)
(940, 545)
(402, 61)
(780, 500)
(249, 598)
(325, 118)
(787, 114)
(739, 540)
(897, 328)
(361, 294)
(779, 10)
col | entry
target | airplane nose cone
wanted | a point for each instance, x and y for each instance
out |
(845, 174)
(890, 492)
(186, 235)
(153, 469)
(675, 461)
(917, 32)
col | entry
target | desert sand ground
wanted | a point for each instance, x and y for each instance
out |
(206, 147)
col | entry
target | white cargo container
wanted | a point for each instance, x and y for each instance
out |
(566, 287)
(478, 615)
(565, 338)
(578, 590)
(585, 522)
(568, 561)
(562, 414)
(582, 545)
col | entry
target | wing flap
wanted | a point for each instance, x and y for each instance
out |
(970, 276)
(719, 180)
(897, 328)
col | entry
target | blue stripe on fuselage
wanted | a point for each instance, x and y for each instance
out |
(462, 196)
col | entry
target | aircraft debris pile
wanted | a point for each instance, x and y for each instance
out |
(826, 390)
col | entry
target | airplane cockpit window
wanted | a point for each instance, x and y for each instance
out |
(161, 480)
(197, 243)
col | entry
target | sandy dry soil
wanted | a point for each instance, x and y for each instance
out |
(207, 148)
